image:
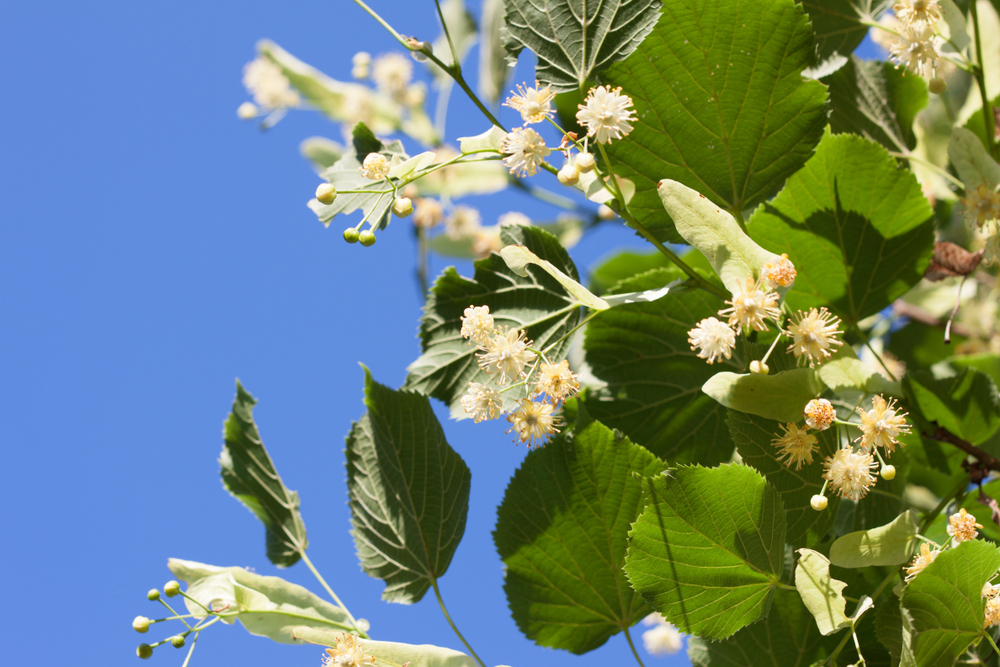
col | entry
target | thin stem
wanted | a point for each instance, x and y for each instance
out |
(312, 568)
(444, 610)
(194, 642)
(738, 215)
(771, 349)
(785, 586)
(573, 330)
(385, 25)
(930, 165)
(549, 197)
(989, 638)
(632, 646)
(164, 603)
(188, 597)
(981, 81)
(421, 260)
(877, 356)
(447, 33)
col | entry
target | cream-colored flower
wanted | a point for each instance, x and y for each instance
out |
(962, 527)
(533, 422)
(607, 114)
(481, 402)
(796, 446)
(557, 381)
(849, 473)
(989, 590)
(882, 425)
(505, 354)
(712, 339)
(463, 222)
(916, 48)
(779, 273)
(751, 305)
(247, 111)
(487, 241)
(269, 87)
(392, 72)
(477, 324)
(813, 335)
(921, 560)
(663, 639)
(361, 65)
(348, 652)
(535, 104)
(819, 414)
(375, 167)
(992, 616)
(982, 203)
(415, 95)
(356, 104)
(525, 150)
(428, 213)
(917, 11)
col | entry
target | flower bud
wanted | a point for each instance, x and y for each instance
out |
(153, 595)
(759, 368)
(888, 472)
(937, 85)
(247, 111)
(362, 65)
(818, 502)
(568, 175)
(367, 238)
(605, 212)
(144, 651)
(171, 588)
(351, 235)
(177, 641)
(402, 207)
(585, 162)
(420, 50)
(326, 193)
(140, 624)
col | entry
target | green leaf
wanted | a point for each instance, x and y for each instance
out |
(409, 492)
(715, 233)
(250, 476)
(857, 228)
(694, 80)
(493, 70)
(562, 531)
(575, 39)
(891, 544)
(837, 25)
(653, 379)
(849, 375)
(623, 265)
(888, 626)
(267, 606)
(321, 152)
(709, 549)
(822, 595)
(877, 101)
(536, 303)
(945, 601)
(394, 654)
(966, 404)
(753, 436)
(781, 396)
(970, 159)
(984, 362)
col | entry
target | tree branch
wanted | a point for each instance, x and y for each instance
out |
(984, 460)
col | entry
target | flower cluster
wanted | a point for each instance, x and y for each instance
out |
(348, 652)
(269, 88)
(916, 44)
(663, 638)
(982, 210)
(504, 354)
(962, 527)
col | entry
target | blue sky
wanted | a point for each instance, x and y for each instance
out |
(154, 248)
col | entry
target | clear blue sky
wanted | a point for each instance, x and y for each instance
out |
(153, 249)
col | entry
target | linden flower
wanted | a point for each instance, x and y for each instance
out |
(917, 11)
(714, 338)
(477, 324)
(992, 611)
(962, 527)
(881, 425)
(535, 104)
(819, 414)
(751, 305)
(533, 422)
(982, 204)
(482, 403)
(428, 213)
(779, 273)
(348, 652)
(505, 354)
(606, 114)
(487, 240)
(849, 473)
(921, 560)
(392, 72)
(916, 48)
(796, 446)
(513, 218)
(525, 150)
(269, 87)
(663, 639)
(463, 223)
(375, 167)
(813, 334)
(557, 381)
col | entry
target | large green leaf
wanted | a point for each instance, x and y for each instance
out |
(971, 160)
(753, 436)
(857, 228)
(721, 104)
(877, 101)
(891, 544)
(966, 404)
(837, 23)
(562, 531)
(409, 492)
(266, 606)
(946, 604)
(709, 549)
(394, 654)
(576, 39)
(249, 474)
(654, 380)
(536, 303)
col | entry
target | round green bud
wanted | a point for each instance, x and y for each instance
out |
(818, 502)
(759, 368)
(402, 207)
(585, 162)
(171, 588)
(568, 175)
(140, 624)
(888, 472)
(144, 651)
(326, 193)
(177, 642)
(367, 238)
(937, 85)
(153, 595)
(351, 235)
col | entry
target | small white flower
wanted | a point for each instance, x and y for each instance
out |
(751, 304)
(348, 652)
(663, 638)
(916, 48)
(814, 335)
(556, 381)
(607, 114)
(482, 403)
(269, 87)
(362, 65)
(992, 611)
(819, 414)
(375, 167)
(962, 527)
(463, 222)
(525, 150)
(917, 11)
(533, 422)
(795, 446)
(921, 560)
(505, 354)
(779, 273)
(713, 339)
(535, 104)
(392, 72)
(477, 324)
(428, 213)
(849, 473)
(882, 425)
(487, 241)
(247, 111)
(982, 204)
(513, 218)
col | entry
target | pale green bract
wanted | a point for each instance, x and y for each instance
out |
(892, 544)
(822, 594)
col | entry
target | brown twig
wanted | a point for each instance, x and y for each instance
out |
(918, 314)
(983, 460)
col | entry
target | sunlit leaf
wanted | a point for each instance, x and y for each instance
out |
(394, 654)
(891, 544)
(822, 595)
(780, 396)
